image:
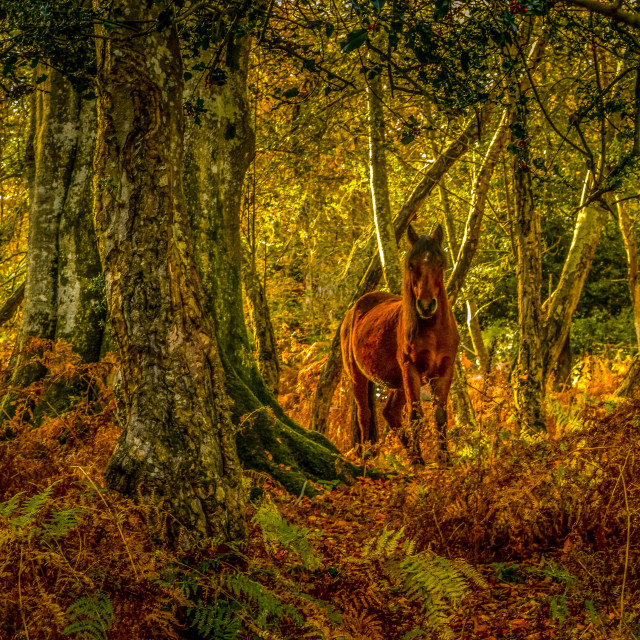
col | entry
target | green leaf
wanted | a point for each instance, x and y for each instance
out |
(407, 138)
(329, 28)
(442, 9)
(378, 4)
(354, 40)
(593, 614)
(464, 61)
(42, 78)
(165, 18)
(309, 64)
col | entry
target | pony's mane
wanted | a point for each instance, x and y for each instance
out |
(424, 244)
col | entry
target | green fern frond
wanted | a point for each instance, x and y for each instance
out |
(267, 604)
(30, 507)
(384, 546)
(219, 621)
(61, 522)
(470, 573)
(415, 633)
(90, 617)
(8, 507)
(275, 529)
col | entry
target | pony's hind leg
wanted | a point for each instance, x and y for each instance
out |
(361, 396)
(371, 403)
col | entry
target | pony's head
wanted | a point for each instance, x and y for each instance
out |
(424, 267)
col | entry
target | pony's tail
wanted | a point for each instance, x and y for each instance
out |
(371, 401)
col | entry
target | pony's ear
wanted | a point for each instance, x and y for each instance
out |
(438, 235)
(412, 235)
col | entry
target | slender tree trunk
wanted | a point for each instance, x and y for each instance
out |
(264, 336)
(529, 379)
(561, 306)
(631, 248)
(62, 292)
(463, 412)
(379, 184)
(332, 370)
(473, 227)
(476, 335)
(177, 452)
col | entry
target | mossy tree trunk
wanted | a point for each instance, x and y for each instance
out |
(627, 229)
(529, 381)
(263, 333)
(218, 153)
(559, 309)
(177, 451)
(63, 296)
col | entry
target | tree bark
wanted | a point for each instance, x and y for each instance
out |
(379, 185)
(529, 380)
(264, 336)
(560, 307)
(473, 227)
(463, 412)
(177, 452)
(218, 153)
(11, 305)
(62, 292)
(631, 249)
(476, 335)
(332, 370)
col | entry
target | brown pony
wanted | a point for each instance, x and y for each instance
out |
(401, 342)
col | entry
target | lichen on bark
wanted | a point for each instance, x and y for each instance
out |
(177, 452)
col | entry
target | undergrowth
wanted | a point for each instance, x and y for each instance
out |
(550, 523)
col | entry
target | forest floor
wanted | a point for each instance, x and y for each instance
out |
(524, 537)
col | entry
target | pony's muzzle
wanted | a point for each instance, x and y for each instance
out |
(428, 310)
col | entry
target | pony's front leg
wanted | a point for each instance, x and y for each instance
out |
(411, 382)
(440, 390)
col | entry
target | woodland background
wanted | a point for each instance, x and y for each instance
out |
(516, 125)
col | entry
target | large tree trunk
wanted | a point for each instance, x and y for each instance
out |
(332, 370)
(217, 157)
(177, 451)
(62, 294)
(218, 152)
(379, 185)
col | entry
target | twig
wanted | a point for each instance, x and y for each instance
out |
(24, 622)
(304, 486)
(626, 555)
